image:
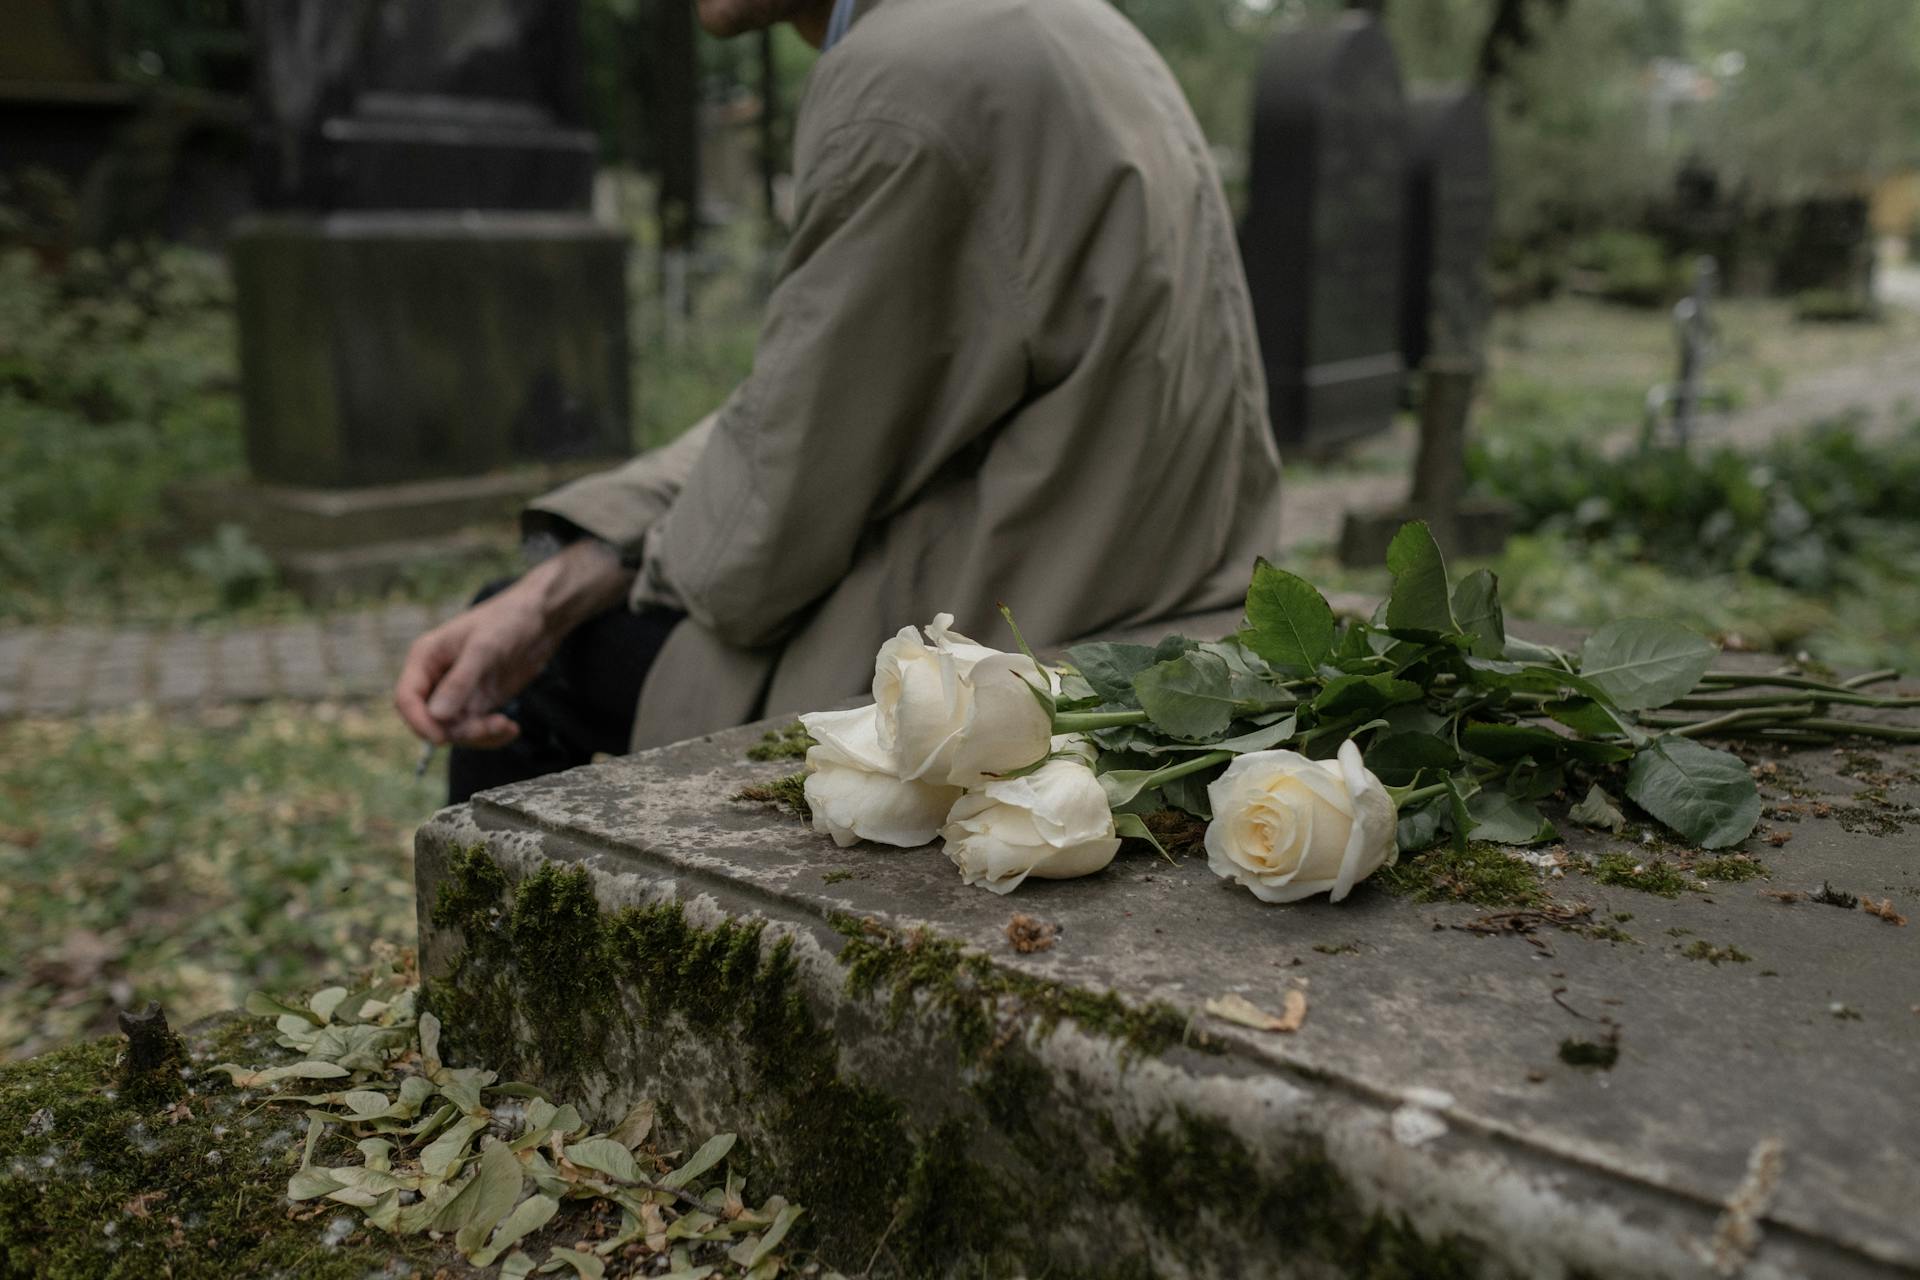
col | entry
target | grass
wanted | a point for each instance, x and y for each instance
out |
(191, 859)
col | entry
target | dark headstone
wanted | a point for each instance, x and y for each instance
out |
(1446, 300)
(431, 317)
(420, 104)
(1323, 237)
(1446, 304)
(382, 348)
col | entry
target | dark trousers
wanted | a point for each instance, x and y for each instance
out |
(580, 705)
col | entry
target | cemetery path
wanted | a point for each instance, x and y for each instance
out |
(71, 669)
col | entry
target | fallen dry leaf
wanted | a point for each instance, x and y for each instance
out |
(1239, 1009)
(1883, 909)
(1028, 934)
(1787, 896)
(142, 1205)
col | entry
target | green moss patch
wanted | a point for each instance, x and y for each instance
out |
(788, 743)
(788, 794)
(1648, 875)
(1732, 866)
(975, 993)
(1183, 1173)
(95, 1183)
(1484, 873)
(1715, 956)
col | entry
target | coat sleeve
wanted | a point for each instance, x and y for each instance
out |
(619, 506)
(892, 343)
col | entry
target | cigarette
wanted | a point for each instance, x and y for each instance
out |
(426, 758)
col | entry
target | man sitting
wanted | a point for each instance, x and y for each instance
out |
(1010, 358)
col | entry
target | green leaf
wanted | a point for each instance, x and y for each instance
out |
(1641, 663)
(782, 1224)
(518, 1266)
(1458, 816)
(1476, 606)
(1420, 826)
(1292, 624)
(1110, 668)
(1421, 596)
(1350, 695)
(325, 1001)
(1398, 758)
(527, 1217)
(1131, 826)
(1707, 796)
(604, 1155)
(1584, 716)
(262, 1005)
(248, 1077)
(1502, 819)
(1598, 811)
(311, 1184)
(1196, 695)
(585, 1265)
(704, 1159)
(438, 1158)
(1505, 742)
(486, 1198)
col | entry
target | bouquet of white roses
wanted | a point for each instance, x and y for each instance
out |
(1314, 751)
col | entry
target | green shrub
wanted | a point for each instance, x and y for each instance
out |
(1628, 267)
(1797, 513)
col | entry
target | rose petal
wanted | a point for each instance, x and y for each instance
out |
(854, 804)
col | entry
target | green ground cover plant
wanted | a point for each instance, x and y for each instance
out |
(1808, 543)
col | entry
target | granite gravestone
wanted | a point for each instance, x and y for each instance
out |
(432, 326)
(1323, 235)
(1445, 306)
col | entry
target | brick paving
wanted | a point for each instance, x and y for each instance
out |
(67, 670)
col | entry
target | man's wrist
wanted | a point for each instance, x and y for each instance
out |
(584, 579)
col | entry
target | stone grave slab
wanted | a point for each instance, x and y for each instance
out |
(944, 1102)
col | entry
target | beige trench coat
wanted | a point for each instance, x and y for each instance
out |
(1010, 358)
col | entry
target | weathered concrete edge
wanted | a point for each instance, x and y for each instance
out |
(1524, 1210)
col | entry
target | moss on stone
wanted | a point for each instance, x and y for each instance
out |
(872, 1176)
(788, 743)
(1732, 866)
(1648, 875)
(95, 1183)
(1486, 874)
(974, 992)
(1182, 1173)
(788, 794)
(1716, 956)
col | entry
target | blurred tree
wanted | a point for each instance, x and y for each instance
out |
(1817, 98)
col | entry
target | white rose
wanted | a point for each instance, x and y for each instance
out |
(1053, 823)
(852, 791)
(1287, 827)
(954, 712)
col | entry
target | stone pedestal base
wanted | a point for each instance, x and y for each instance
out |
(377, 348)
(329, 543)
(1474, 528)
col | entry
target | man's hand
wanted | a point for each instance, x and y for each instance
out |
(458, 675)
